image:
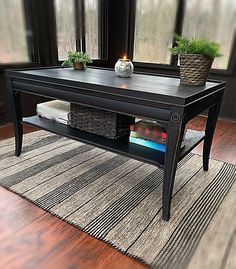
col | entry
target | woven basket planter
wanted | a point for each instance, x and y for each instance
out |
(108, 124)
(79, 66)
(194, 69)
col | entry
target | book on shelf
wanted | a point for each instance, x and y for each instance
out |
(149, 134)
(148, 143)
(55, 110)
(148, 130)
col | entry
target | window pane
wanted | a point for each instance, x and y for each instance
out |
(91, 28)
(154, 27)
(213, 19)
(66, 27)
(65, 18)
(13, 42)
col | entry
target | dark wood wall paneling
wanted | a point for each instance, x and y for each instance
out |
(120, 25)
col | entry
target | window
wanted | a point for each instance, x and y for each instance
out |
(154, 27)
(13, 34)
(215, 20)
(91, 28)
(66, 33)
(157, 20)
(77, 27)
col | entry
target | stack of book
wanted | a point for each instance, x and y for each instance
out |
(55, 110)
(149, 134)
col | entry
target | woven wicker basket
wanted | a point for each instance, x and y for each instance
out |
(108, 124)
(194, 69)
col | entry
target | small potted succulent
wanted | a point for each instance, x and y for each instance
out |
(78, 59)
(196, 58)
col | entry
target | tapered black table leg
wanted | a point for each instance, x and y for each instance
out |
(15, 106)
(209, 132)
(174, 139)
(18, 138)
(17, 117)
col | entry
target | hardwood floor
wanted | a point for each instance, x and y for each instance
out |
(33, 238)
(7, 131)
(224, 141)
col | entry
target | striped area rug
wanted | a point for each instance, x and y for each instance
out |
(118, 200)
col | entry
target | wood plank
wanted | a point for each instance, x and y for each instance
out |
(15, 213)
(221, 128)
(7, 131)
(87, 252)
(34, 242)
(48, 242)
(225, 148)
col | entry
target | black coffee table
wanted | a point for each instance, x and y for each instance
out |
(159, 98)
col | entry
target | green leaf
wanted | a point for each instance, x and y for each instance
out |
(78, 57)
(195, 46)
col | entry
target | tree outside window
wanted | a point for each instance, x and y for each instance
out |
(154, 26)
(215, 20)
(68, 20)
(13, 34)
(156, 20)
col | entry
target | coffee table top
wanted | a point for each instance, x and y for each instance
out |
(155, 88)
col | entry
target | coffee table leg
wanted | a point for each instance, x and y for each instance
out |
(15, 106)
(209, 132)
(174, 139)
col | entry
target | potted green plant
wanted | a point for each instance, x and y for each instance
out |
(196, 58)
(78, 59)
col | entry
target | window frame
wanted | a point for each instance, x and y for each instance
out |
(30, 40)
(179, 19)
(80, 29)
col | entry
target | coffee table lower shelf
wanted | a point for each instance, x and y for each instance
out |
(121, 146)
